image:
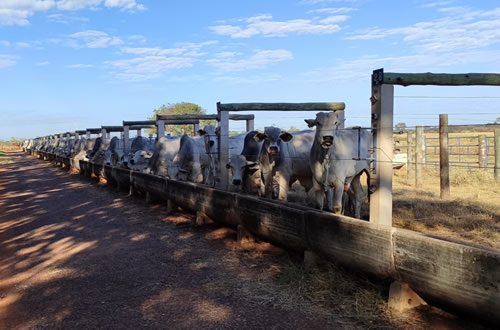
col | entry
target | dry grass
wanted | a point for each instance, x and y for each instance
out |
(471, 214)
(4, 159)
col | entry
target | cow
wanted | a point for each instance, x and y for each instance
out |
(99, 155)
(94, 149)
(195, 162)
(114, 154)
(82, 154)
(77, 146)
(244, 169)
(186, 165)
(141, 150)
(333, 164)
(165, 150)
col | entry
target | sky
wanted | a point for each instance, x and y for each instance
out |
(75, 64)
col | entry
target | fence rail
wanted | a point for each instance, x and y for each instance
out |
(464, 151)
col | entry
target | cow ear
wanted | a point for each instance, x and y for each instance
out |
(259, 137)
(310, 122)
(181, 170)
(286, 137)
(201, 132)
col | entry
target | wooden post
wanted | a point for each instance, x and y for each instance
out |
(223, 147)
(444, 166)
(250, 125)
(139, 132)
(482, 152)
(196, 128)
(410, 154)
(126, 139)
(87, 135)
(160, 129)
(497, 154)
(419, 155)
(341, 119)
(103, 133)
(382, 145)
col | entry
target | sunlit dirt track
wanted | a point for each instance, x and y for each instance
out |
(76, 254)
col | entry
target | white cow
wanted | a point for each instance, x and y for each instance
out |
(333, 164)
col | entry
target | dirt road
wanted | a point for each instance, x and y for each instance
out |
(75, 254)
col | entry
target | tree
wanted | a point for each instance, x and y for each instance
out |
(400, 127)
(183, 108)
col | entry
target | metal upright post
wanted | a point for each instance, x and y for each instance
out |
(444, 167)
(223, 147)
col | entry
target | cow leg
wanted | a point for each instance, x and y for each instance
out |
(283, 187)
(339, 191)
(319, 194)
(358, 195)
(329, 199)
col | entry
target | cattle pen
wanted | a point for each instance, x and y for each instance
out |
(451, 275)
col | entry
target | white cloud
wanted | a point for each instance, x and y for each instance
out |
(259, 60)
(330, 10)
(65, 19)
(362, 67)
(79, 66)
(17, 12)
(22, 45)
(226, 54)
(4, 43)
(152, 62)
(148, 67)
(95, 39)
(44, 63)
(264, 25)
(461, 28)
(435, 4)
(7, 61)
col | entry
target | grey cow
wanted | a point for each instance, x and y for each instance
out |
(333, 164)
(164, 153)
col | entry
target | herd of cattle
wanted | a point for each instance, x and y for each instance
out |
(328, 160)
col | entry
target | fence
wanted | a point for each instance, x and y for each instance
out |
(467, 150)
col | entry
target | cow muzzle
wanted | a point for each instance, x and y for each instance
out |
(236, 182)
(211, 143)
(273, 150)
(327, 141)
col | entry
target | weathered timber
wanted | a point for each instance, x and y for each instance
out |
(442, 79)
(113, 128)
(444, 166)
(139, 122)
(319, 106)
(81, 132)
(461, 277)
(357, 244)
(497, 154)
(94, 130)
(202, 117)
(483, 149)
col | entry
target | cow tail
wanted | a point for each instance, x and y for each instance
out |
(367, 183)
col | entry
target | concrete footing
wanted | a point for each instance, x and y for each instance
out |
(402, 297)
(311, 260)
(244, 236)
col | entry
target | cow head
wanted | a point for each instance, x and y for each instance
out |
(240, 168)
(326, 123)
(140, 159)
(210, 136)
(177, 172)
(272, 138)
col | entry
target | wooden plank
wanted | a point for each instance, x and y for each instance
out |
(497, 154)
(113, 128)
(223, 173)
(355, 243)
(382, 144)
(81, 132)
(186, 117)
(410, 154)
(318, 106)
(419, 155)
(442, 79)
(444, 166)
(94, 130)
(139, 122)
(457, 276)
(482, 152)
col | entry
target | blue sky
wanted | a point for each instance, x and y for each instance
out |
(73, 64)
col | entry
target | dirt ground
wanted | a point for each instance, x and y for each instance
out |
(77, 254)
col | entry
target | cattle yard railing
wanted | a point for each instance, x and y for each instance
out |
(465, 151)
(224, 115)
